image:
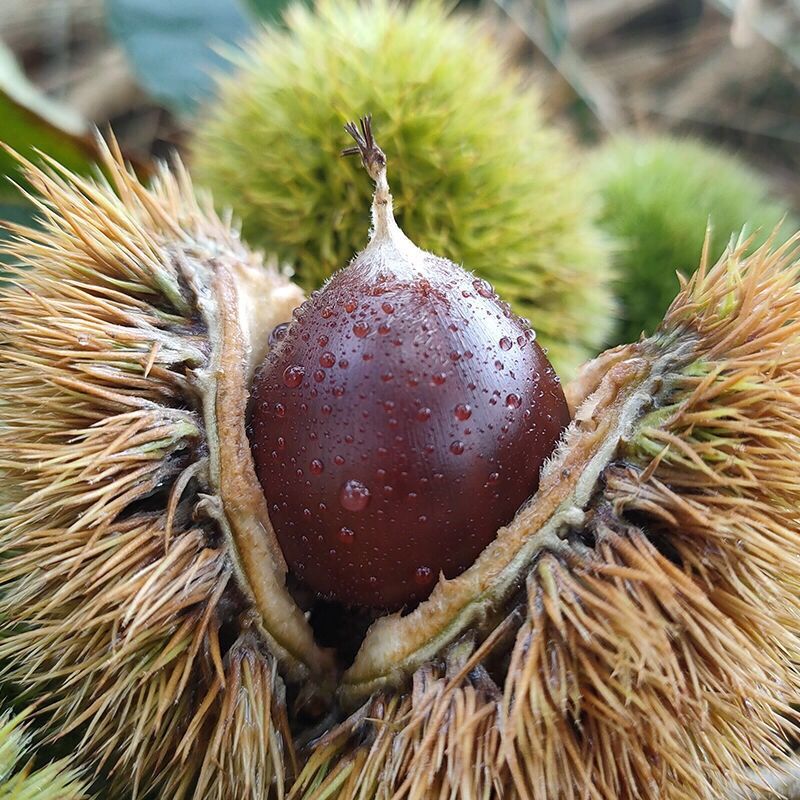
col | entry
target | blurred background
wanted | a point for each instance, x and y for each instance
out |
(724, 72)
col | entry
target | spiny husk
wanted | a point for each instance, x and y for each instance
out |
(656, 636)
(632, 633)
(658, 194)
(125, 527)
(26, 781)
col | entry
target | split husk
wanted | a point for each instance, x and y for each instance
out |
(632, 633)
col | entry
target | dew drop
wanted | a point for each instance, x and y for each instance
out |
(326, 409)
(354, 496)
(423, 414)
(278, 333)
(422, 576)
(316, 467)
(513, 400)
(456, 447)
(338, 460)
(338, 391)
(280, 410)
(350, 306)
(387, 376)
(463, 411)
(293, 376)
(483, 288)
(327, 312)
(505, 343)
(438, 378)
(319, 375)
(323, 340)
(361, 329)
(384, 329)
(387, 307)
(346, 535)
(327, 359)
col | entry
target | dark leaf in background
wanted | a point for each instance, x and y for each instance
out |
(11, 212)
(268, 10)
(176, 46)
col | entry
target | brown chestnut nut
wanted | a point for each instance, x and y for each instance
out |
(400, 418)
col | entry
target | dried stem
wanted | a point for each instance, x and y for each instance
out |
(374, 161)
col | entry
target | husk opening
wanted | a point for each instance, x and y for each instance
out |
(633, 633)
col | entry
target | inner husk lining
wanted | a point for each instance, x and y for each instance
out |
(396, 646)
(234, 312)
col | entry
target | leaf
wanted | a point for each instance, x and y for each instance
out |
(553, 16)
(268, 10)
(176, 46)
(31, 121)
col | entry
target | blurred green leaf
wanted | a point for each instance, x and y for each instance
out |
(176, 46)
(29, 120)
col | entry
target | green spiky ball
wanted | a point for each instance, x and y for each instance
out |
(477, 174)
(659, 192)
(21, 779)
